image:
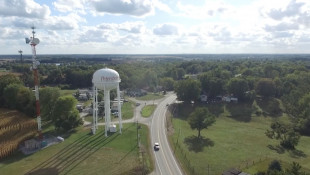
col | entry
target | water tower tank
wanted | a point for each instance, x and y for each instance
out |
(106, 78)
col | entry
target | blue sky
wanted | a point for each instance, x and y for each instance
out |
(156, 26)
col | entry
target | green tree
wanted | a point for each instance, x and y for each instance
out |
(66, 116)
(188, 90)
(285, 133)
(266, 87)
(150, 79)
(167, 83)
(275, 166)
(10, 95)
(48, 98)
(5, 80)
(273, 107)
(304, 115)
(26, 101)
(295, 169)
(238, 87)
(211, 85)
(54, 77)
(177, 73)
(200, 119)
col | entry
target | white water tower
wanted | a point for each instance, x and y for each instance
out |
(106, 79)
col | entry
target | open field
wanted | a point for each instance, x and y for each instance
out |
(148, 110)
(232, 143)
(2, 72)
(67, 92)
(83, 153)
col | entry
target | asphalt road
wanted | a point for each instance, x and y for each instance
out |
(165, 163)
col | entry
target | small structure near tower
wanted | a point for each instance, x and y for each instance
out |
(106, 79)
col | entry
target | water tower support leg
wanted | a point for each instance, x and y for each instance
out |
(96, 102)
(119, 110)
(94, 110)
(107, 110)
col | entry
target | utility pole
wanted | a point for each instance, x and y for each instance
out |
(137, 134)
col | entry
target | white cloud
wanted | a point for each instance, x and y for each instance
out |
(68, 22)
(161, 6)
(292, 9)
(70, 5)
(283, 26)
(166, 29)
(8, 33)
(127, 7)
(23, 8)
(132, 27)
(207, 10)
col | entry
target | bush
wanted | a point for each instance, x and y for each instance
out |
(275, 165)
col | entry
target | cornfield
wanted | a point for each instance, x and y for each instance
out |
(15, 127)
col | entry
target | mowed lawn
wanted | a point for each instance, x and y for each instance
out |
(83, 153)
(148, 110)
(232, 144)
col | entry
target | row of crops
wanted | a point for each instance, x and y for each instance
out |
(15, 127)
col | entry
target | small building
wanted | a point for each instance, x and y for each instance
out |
(112, 128)
(230, 99)
(234, 99)
(32, 144)
(136, 92)
(80, 108)
(83, 97)
(114, 105)
(203, 98)
(226, 99)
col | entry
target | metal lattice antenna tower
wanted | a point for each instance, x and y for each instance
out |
(33, 42)
(21, 55)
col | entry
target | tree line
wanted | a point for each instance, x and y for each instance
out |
(61, 110)
(284, 81)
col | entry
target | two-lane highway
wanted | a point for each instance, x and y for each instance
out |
(164, 158)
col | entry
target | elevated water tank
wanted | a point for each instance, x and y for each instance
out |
(106, 78)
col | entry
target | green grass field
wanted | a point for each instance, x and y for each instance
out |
(83, 153)
(150, 96)
(231, 143)
(148, 110)
(127, 110)
(67, 92)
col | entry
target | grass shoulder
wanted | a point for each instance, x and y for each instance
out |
(148, 110)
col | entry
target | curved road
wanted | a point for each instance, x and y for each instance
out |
(165, 162)
(164, 158)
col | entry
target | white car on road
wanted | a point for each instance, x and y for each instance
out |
(156, 146)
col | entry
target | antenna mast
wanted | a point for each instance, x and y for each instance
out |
(21, 55)
(33, 42)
